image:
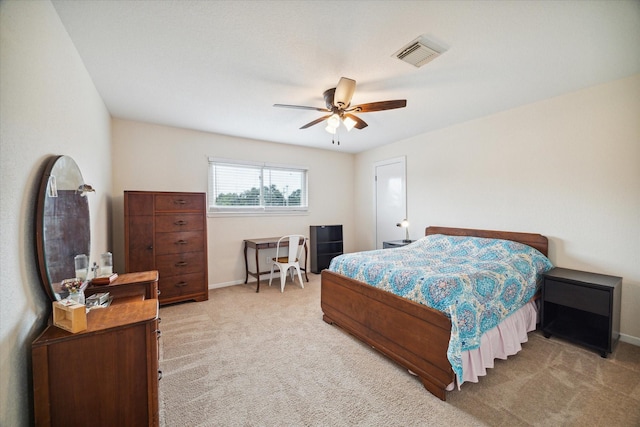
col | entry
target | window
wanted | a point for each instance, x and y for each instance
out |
(246, 187)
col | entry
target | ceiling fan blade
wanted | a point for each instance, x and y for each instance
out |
(315, 122)
(301, 107)
(344, 92)
(379, 106)
(360, 124)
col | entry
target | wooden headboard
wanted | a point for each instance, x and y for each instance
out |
(537, 241)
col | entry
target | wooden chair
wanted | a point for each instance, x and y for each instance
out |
(286, 263)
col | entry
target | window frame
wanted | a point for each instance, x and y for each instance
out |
(262, 209)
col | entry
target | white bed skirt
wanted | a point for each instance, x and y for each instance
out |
(498, 343)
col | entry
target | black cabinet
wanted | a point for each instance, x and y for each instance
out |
(395, 243)
(582, 307)
(326, 243)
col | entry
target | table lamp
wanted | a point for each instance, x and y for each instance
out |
(404, 224)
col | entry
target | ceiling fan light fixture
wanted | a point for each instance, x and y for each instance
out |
(349, 123)
(339, 108)
(333, 121)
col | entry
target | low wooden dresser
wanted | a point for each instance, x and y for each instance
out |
(106, 375)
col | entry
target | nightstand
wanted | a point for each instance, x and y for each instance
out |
(582, 307)
(395, 243)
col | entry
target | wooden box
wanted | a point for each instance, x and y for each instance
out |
(70, 315)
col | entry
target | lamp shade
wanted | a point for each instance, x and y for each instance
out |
(349, 123)
(333, 121)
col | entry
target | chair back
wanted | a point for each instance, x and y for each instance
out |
(295, 245)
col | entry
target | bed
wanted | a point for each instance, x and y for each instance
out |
(412, 334)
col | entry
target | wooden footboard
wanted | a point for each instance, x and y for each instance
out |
(413, 335)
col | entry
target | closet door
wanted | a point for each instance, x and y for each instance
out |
(391, 199)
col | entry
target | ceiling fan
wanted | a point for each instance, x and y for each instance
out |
(338, 105)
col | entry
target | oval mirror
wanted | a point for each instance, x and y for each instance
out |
(62, 223)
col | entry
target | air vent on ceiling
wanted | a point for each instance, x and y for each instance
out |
(418, 53)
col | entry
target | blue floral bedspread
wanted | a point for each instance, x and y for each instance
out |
(476, 282)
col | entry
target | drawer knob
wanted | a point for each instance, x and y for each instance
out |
(150, 247)
(181, 242)
(181, 284)
(180, 222)
(181, 264)
(159, 375)
(180, 201)
(158, 333)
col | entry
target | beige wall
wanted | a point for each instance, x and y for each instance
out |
(48, 106)
(567, 167)
(160, 158)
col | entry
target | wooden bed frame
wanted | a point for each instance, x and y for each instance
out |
(413, 335)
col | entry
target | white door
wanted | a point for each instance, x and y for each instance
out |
(391, 199)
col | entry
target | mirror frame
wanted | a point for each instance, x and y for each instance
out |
(63, 227)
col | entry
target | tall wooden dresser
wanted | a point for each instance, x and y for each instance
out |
(167, 231)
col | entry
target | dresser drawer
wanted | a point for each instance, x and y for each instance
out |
(183, 284)
(580, 297)
(177, 264)
(179, 222)
(176, 243)
(180, 202)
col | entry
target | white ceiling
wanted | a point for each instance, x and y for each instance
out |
(219, 66)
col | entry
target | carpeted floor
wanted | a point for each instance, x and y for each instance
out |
(268, 359)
